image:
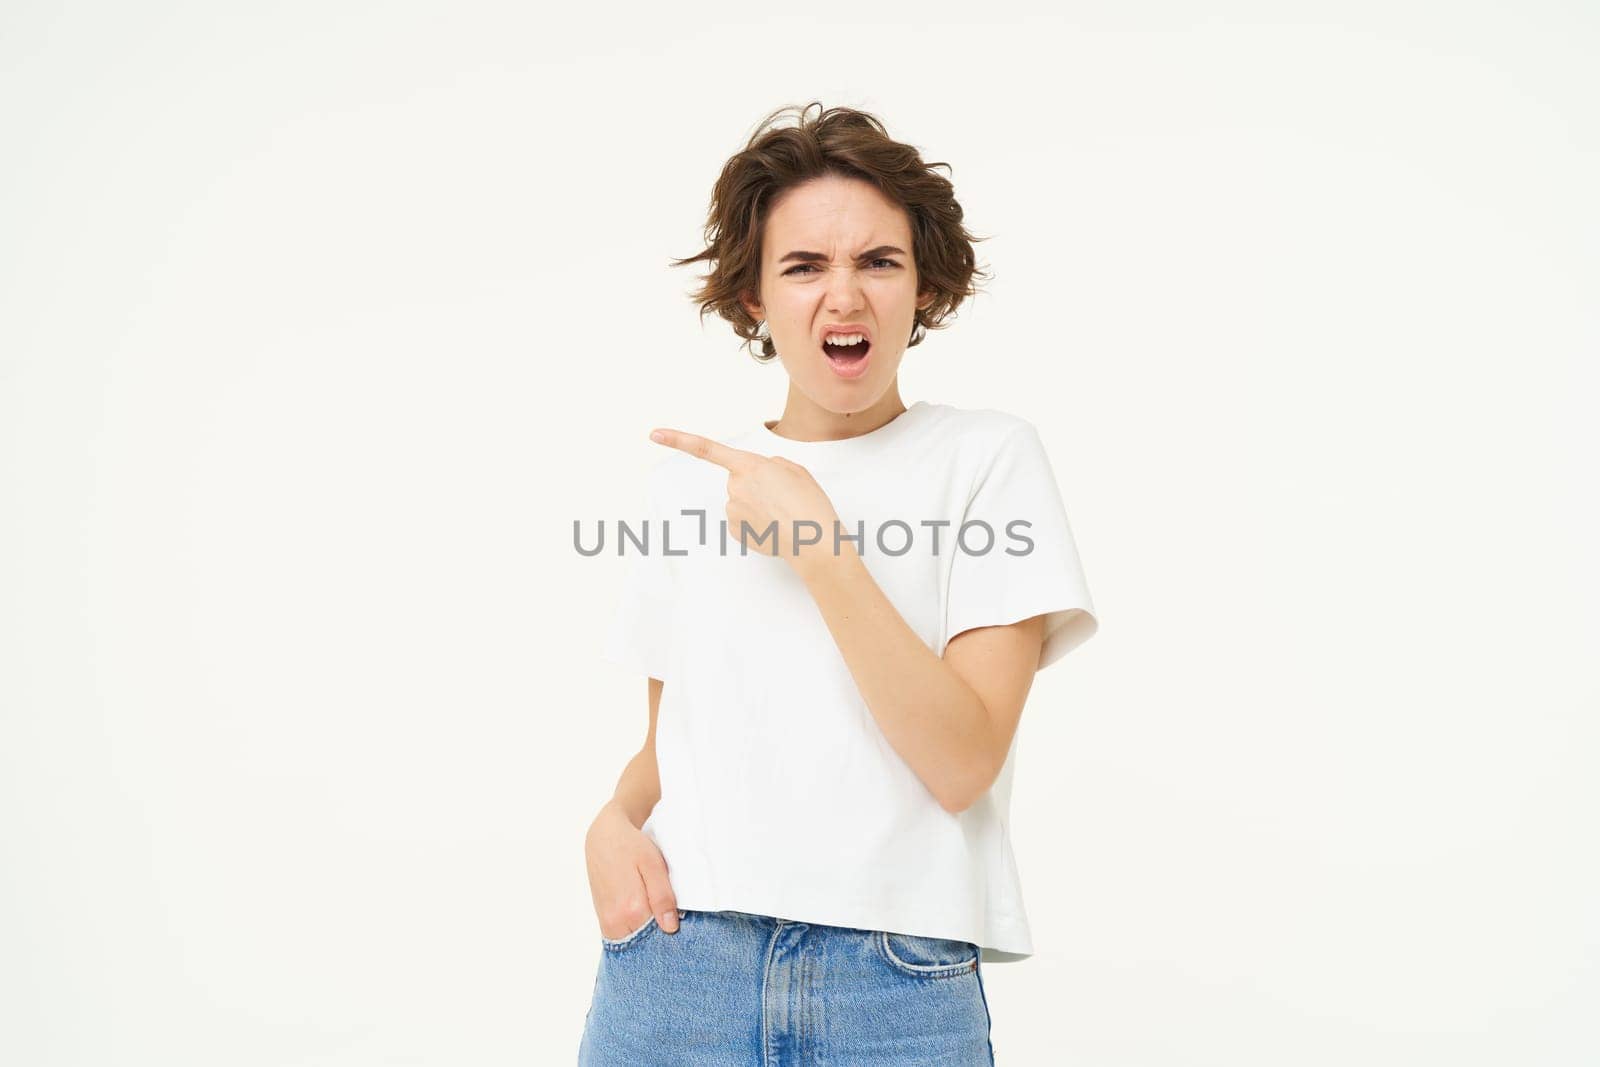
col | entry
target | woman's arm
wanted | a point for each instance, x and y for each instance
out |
(627, 873)
(639, 787)
(951, 718)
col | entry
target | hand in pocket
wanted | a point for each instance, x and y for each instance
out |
(627, 877)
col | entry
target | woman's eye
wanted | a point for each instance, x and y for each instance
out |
(808, 267)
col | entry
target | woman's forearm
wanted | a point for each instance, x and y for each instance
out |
(933, 718)
(639, 786)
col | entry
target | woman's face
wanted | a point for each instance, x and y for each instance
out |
(837, 252)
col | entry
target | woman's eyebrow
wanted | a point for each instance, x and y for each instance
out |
(871, 253)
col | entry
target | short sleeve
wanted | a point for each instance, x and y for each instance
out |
(1032, 566)
(640, 634)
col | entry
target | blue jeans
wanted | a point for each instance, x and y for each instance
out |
(732, 989)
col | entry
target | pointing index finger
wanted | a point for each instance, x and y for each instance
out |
(702, 448)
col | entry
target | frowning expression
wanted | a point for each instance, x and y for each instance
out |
(838, 289)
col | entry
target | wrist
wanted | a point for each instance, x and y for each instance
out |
(610, 811)
(823, 562)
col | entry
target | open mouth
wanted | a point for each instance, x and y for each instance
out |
(847, 361)
(846, 352)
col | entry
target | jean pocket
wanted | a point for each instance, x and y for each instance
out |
(617, 944)
(928, 957)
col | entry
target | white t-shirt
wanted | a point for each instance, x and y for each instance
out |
(780, 795)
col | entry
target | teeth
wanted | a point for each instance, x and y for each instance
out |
(844, 338)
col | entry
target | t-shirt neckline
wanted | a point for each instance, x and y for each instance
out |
(871, 440)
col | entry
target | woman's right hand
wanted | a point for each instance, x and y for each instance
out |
(627, 876)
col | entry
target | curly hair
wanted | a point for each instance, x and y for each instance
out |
(848, 143)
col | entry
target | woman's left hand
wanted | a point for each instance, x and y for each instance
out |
(763, 490)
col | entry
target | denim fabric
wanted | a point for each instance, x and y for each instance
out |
(733, 989)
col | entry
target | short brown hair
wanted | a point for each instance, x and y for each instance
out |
(838, 141)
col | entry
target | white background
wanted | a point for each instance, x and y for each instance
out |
(320, 324)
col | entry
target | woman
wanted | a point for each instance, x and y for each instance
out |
(839, 616)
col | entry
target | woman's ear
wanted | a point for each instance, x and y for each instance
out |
(752, 306)
(925, 300)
